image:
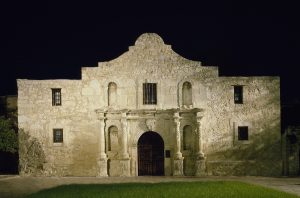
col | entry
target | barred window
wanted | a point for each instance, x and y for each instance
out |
(149, 93)
(238, 94)
(58, 135)
(56, 97)
(243, 133)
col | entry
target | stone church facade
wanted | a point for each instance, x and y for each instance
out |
(152, 112)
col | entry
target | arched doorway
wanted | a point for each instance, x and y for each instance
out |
(150, 154)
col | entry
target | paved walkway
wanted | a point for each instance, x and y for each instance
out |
(16, 186)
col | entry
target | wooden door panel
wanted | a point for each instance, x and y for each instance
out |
(150, 154)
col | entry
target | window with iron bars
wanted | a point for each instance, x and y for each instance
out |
(149, 93)
(56, 97)
(58, 135)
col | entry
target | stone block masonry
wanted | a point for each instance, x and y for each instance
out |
(205, 125)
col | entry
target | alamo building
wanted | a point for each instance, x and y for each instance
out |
(150, 112)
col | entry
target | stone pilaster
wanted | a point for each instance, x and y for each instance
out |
(102, 158)
(124, 156)
(178, 159)
(200, 166)
(124, 150)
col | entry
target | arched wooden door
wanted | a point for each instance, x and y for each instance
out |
(150, 154)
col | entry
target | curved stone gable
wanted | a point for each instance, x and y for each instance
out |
(151, 56)
(149, 39)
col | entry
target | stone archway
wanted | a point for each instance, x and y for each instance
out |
(150, 154)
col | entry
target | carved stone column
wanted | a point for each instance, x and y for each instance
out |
(178, 159)
(102, 158)
(124, 156)
(200, 158)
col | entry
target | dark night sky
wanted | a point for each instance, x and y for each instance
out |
(45, 41)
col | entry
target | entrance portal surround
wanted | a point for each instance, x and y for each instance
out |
(141, 150)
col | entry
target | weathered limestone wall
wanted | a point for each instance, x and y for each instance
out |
(261, 154)
(150, 60)
(36, 115)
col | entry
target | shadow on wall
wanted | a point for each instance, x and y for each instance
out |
(31, 155)
(261, 155)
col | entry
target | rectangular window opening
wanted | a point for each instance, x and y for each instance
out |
(58, 136)
(56, 97)
(149, 93)
(238, 94)
(243, 133)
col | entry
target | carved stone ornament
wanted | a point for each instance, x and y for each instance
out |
(150, 123)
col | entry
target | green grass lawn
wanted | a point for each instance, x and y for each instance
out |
(171, 190)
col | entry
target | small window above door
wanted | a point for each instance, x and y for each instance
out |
(149, 93)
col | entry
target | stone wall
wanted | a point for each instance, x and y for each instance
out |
(260, 112)
(150, 60)
(36, 115)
